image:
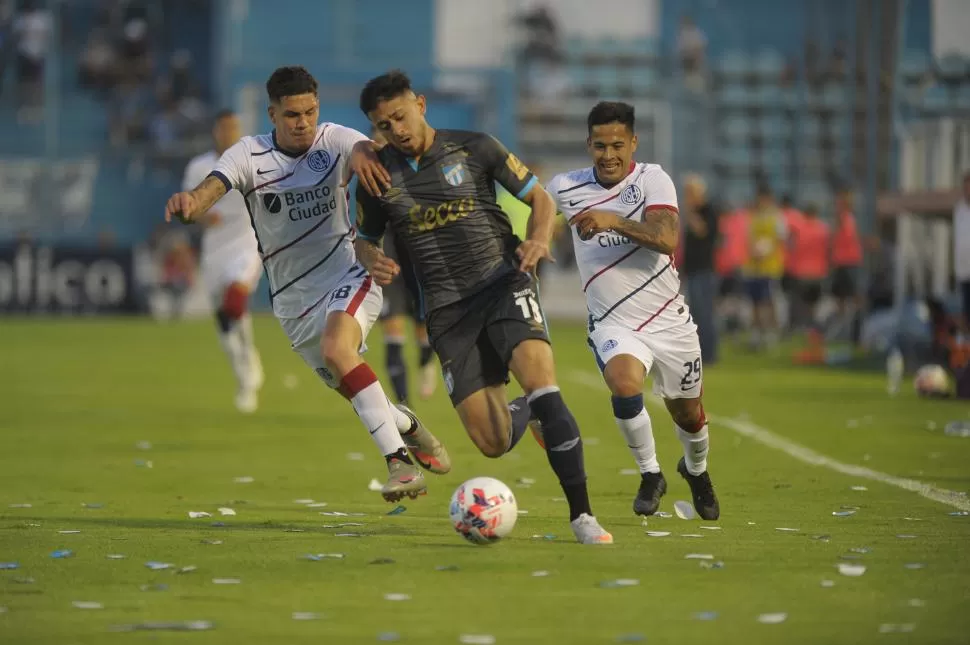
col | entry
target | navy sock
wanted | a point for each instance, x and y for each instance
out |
(426, 354)
(627, 407)
(564, 448)
(400, 455)
(224, 321)
(521, 415)
(397, 370)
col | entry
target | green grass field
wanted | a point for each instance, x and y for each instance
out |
(79, 396)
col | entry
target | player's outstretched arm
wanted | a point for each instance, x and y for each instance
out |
(382, 268)
(659, 231)
(188, 206)
(539, 230)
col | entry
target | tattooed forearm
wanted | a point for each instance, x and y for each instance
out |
(659, 231)
(206, 195)
(367, 253)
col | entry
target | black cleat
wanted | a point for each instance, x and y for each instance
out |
(652, 488)
(705, 501)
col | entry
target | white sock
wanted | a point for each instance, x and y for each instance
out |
(250, 355)
(373, 410)
(232, 344)
(401, 420)
(638, 433)
(695, 449)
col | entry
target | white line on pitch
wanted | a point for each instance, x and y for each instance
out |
(807, 455)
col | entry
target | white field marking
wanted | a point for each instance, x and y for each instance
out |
(804, 454)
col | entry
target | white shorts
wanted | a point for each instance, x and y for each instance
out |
(357, 295)
(218, 275)
(672, 356)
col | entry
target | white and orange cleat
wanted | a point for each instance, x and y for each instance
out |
(588, 531)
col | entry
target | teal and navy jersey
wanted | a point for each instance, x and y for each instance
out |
(442, 207)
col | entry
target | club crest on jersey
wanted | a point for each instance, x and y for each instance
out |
(272, 202)
(631, 194)
(454, 173)
(608, 345)
(318, 160)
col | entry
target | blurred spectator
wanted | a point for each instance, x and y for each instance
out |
(793, 219)
(808, 254)
(541, 57)
(881, 253)
(165, 128)
(846, 257)
(700, 239)
(98, 68)
(178, 83)
(7, 40)
(729, 260)
(542, 35)
(173, 252)
(765, 266)
(136, 46)
(32, 29)
(961, 248)
(945, 329)
(692, 51)
(179, 86)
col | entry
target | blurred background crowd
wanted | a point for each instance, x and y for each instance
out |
(819, 146)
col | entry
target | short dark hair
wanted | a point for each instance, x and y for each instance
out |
(223, 114)
(382, 88)
(611, 112)
(290, 81)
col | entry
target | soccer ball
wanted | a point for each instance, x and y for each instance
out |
(483, 510)
(931, 380)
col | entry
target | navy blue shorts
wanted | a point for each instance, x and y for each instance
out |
(758, 289)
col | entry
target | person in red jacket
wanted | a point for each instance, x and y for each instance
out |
(846, 255)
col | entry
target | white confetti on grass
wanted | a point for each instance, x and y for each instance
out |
(890, 628)
(772, 619)
(684, 510)
(87, 604)
(476, 639)
(620, 582)
(226, 581)
(397, 597)
(851, 570)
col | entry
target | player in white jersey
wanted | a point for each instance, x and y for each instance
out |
(625, 229)
(293, 181)
(230, 264)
